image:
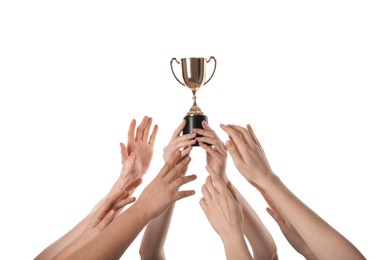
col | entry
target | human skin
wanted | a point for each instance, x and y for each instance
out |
(260, 239)
(99, 220)
(289, 232)
(155, 234)
(160, 194)
(136, 158)
(248, 156)
(224, 212)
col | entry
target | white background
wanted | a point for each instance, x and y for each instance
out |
(312, 77)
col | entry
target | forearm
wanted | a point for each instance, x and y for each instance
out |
(153, 240)
(64, 241)
(324, 241)
(235, 247)
(113, 241)
(261, 241)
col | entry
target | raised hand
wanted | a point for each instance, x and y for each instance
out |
(164, 189)
(247, 153)
(221, 206)
(216, 150)
(224, 212)
(140, 143)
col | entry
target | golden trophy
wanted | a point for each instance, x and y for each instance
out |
(194, 77)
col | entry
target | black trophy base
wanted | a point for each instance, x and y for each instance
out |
(194, 121)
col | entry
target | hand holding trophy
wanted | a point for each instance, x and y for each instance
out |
(194, 77)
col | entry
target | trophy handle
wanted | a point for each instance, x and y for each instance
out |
(215, 66)
(173, 72)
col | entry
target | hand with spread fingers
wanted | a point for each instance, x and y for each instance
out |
(247, 153)
(164, 188)
(224, 213)
(140, 142)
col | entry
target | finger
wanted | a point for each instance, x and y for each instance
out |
(124, 154)
(234, 152)
(141, 128)
(132, 186)
(108, 203)
(182, 194)
(186, 151)
(236, 137)
(218, 184)
(180, 166)
(152, 138)
(232, 190)
(147, 129)
(276, 217)
(179, 143)
(203, 132)
(123, 202)
(209, 149)
(273, 205)
(252, 133)
(210, 187)
(244, 133)
(169, 164)
(206, 193)
(106, 220)
(183, 180)
(130, 134)
(203, 205)
(184, 143)
(179, 129)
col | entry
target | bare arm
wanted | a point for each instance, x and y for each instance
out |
(261, 241)
(99, 220)
(224, 212)
(155, 234)
(323, 240)
(64, 241)
(161, 193)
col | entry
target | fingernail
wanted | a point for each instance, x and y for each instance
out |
(228, 144)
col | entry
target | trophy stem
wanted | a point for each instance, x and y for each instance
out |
(194, 98)
(195, 110)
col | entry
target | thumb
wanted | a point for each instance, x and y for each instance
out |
(106, 220)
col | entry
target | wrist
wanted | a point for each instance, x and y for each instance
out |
(263, 181)
(143, 211)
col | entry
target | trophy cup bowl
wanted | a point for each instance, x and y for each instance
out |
(193, 72)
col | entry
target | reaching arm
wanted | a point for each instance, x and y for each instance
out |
(224, 213)
(290, 233)
(136, 159)
(261, 241)
(155, 234)
(99, 220)
(161, 193)
(322, 239)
